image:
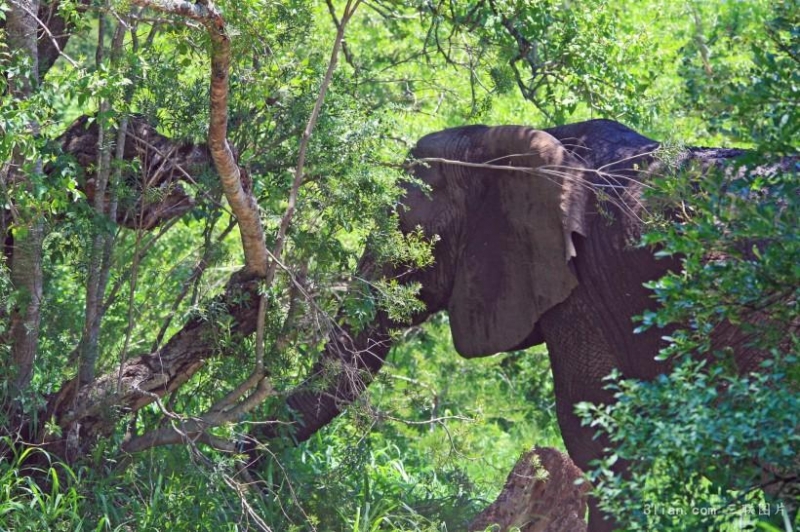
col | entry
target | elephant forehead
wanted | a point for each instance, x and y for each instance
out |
(449, 143)
(520, 146)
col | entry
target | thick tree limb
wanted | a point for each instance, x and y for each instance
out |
(163, 162)
(244, 207)
(350, 383)
(144, 379)
(141, 380)
(242, 202)
(347, 366)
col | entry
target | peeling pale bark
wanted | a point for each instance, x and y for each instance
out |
(242, 203)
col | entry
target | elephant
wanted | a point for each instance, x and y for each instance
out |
(536, 233)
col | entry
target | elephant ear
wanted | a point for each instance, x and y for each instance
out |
(513, 261)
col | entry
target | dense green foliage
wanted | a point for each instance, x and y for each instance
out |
(722, 437)
(432, 442)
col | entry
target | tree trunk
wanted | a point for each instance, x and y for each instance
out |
(26, 277)
(26, 256)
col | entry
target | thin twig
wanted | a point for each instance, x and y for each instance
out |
(277, 251)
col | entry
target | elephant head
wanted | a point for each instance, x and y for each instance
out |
(504, 203)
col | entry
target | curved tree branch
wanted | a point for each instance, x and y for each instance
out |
(242, 202)
(145, 379)
(164, 163)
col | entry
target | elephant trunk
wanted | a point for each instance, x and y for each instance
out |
(346, 367)
(345, 370)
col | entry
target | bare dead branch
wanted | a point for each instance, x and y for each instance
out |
(192, 428)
